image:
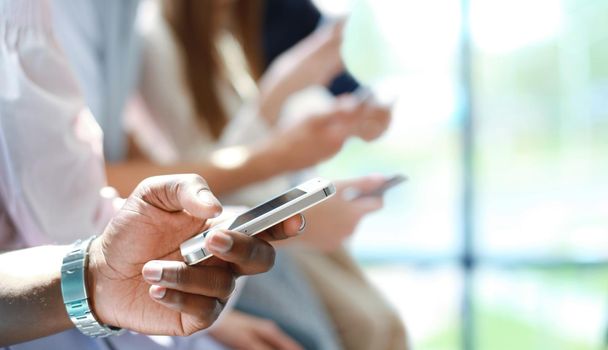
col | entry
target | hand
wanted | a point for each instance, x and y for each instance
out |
(370, 120)
(310, 141)
(313, 61)
(238, 330)
(374, 119)
(137, 278)
(330, 223)
(319, 137)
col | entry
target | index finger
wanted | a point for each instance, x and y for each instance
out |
(291, 227)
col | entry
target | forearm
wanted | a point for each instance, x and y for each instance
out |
(273, 94)
(31, 304)
(235, 168)
(272, 100)
(225, 171)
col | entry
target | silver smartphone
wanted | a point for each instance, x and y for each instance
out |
(263, 216)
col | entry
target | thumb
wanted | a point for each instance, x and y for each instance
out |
(366, 205)
(363, 184)
(345, 109)
(338, 124)
(174, 193)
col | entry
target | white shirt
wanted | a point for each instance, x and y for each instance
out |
(101, 45)
(52, 179)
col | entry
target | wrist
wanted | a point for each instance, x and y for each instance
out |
(274, 91)
(91, 278)
(269, 107)
(271, 158)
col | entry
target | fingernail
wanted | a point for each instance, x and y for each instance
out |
(158, 292)
(153, 271)
(350, 193)
(209, 199)
(219, 242)
(303, 224)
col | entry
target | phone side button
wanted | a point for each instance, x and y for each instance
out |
(195, 257)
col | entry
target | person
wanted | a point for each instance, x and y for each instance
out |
(113, 78)
(108, 78)
(160, 214)
(175, 95)
(302, 18)
(52, 184)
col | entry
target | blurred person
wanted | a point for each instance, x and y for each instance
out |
(302, 18)
(53, 184)
(156, 218)
(205, 89)
(66, 150)
(106, 78)
(105, 57)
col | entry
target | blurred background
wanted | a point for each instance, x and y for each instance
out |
(500, 238)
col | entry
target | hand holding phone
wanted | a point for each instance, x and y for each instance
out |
(331, 223)
(375, 116)
(263, 216)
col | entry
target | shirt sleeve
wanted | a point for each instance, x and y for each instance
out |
(52, 178)
(101, 47)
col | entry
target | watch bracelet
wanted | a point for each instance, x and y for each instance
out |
(75, 294)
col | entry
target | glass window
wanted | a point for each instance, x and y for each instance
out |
(536, 309)
(541, 130)
(431, 309)
(534, 273)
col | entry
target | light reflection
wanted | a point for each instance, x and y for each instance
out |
(231, 157)
(499, 26)
(384, 38)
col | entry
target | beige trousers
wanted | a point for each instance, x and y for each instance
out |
(363, 319)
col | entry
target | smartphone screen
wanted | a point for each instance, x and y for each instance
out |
(266, 207)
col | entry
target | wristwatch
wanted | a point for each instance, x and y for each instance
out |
(74, 291)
